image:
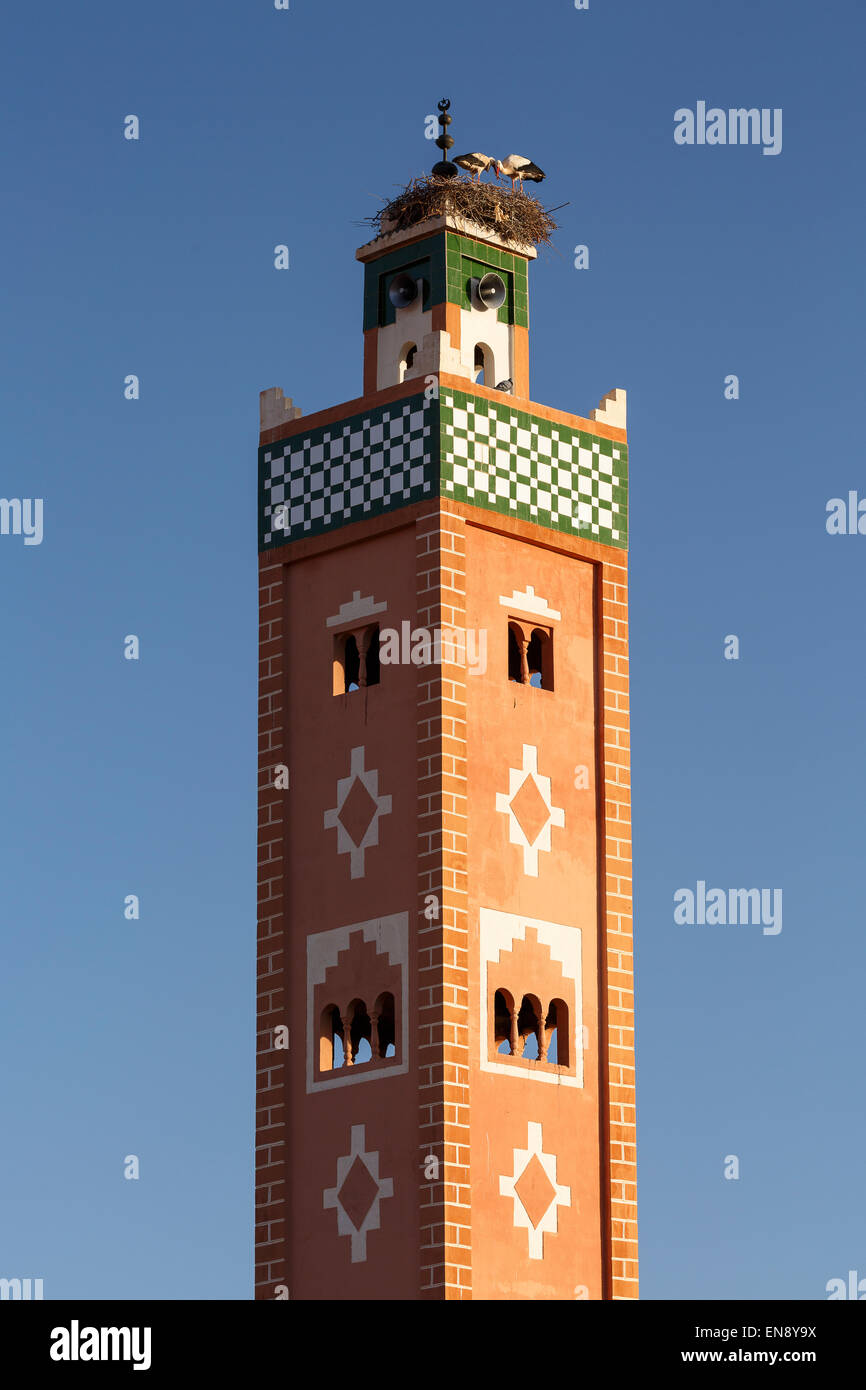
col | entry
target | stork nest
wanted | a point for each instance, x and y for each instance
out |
(514, 216)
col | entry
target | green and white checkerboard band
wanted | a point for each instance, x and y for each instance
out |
(508, 461)
(475, 450)
(343, 472)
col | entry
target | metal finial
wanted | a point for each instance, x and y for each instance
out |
(445, 169)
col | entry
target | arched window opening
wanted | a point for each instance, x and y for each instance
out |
(386, 1035)
(556, 1027)
(407, 359)
(372, 667)
(539, 659)
(482, 366)
(503, 1020)
(351, 664)
(347, 663)
(356, 660)
(515, 656)
(533, 659)
(529, 1029)
(359, 1049)
(331, 1050)
(530, 655)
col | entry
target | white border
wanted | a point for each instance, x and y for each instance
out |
(391, 935)
(497, 931)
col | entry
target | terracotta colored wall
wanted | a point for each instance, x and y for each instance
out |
(426, 731)
(502, 717)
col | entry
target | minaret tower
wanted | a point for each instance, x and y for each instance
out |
(445, 1093)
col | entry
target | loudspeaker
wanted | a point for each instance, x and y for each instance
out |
(402, 291)
(491, 291)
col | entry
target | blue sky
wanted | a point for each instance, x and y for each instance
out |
(155, 257)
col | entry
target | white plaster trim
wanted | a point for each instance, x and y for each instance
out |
(385, 1188)
(356, 608)
(530, 602)
(380, 244)
(411, 325)
(549, 1222)
(436, 355)
(369, 779)
(555, 814)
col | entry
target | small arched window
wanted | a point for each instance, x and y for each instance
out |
(356, 660)
(359, 1047)
(482, 366)
(515, 655)
(530, 654)
(372, 667)
(503, 1022)
(351, 663)
(556, 1028)
(331, 1050)
(386, 1036)
(529, 1028)
(407, 359)
(539, 659)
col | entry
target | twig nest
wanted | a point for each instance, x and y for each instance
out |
(514, 216)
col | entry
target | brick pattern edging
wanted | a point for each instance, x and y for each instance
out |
(443, 949)
(272, 1079)
(617, 960)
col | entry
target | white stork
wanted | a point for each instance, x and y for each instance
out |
(516, 167)
(476, 164)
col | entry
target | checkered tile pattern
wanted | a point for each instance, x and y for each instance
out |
(343, 472)
(500, 458)
(482, 452)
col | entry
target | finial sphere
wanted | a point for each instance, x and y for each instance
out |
(444, 169)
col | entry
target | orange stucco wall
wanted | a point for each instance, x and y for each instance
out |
(442, 742)
(561, 723)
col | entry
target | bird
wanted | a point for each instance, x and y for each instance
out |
(507, 385)
(516, 167)
(476, 163)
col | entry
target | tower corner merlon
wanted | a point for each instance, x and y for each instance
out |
(611, 409)
(276, 409)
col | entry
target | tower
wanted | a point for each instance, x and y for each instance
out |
(445, 1080)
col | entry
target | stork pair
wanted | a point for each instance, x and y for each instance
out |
(514, 167)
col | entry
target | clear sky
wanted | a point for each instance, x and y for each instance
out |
(155, 257)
